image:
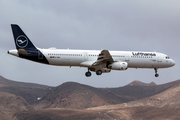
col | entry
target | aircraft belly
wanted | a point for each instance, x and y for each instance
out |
(148, 63)
(141, 64)
(135, 64)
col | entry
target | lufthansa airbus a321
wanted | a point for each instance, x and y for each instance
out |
(99, 61)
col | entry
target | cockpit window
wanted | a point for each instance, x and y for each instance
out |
(167, 57)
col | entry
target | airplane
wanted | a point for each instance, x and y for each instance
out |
(99, 61)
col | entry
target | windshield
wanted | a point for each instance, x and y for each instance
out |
(167, 57)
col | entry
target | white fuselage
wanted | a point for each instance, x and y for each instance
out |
(85, 58)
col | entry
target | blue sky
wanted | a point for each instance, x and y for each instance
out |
(131, 25)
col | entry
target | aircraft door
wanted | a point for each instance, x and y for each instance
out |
(127, 57)
(85, 56)
(159, 59)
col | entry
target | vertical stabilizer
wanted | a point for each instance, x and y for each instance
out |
(20, 38)
(25, 48)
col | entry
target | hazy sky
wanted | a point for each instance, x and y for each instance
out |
(137, 25)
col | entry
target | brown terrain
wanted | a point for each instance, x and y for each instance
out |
(30, 92)
(74, 101)
(77, 96)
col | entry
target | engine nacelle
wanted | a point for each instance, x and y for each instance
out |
(118, 66)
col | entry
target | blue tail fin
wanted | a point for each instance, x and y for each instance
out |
(20, 38)
(25, 47)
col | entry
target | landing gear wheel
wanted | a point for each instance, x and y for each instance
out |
(88, 74)
(156, 75)
(98, 72)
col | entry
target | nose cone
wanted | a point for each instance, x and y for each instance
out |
(172, 63)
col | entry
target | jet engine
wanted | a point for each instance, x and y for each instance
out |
(118, 66)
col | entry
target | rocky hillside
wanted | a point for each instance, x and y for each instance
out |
(29, 91)
(10, 83)
(139, 83)
(131, 113)
(74, 101)
(137, 90)
(169, 98)
(10, 104)
(78, 96)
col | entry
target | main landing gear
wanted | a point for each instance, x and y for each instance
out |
(98, 72)
(88, 73)
(156, 75)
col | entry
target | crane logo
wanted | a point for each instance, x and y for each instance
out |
(21, 41)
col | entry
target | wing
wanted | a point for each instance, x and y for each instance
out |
(104, 57)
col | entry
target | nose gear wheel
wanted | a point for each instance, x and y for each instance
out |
(156, 75)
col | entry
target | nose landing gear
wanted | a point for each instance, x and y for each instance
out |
(156, 75)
